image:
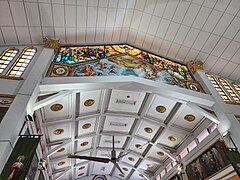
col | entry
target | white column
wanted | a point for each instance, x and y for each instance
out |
(225, 112)
(22, 105)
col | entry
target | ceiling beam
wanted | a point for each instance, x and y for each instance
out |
(170, 155)
(94, 83)
(104, 105)
(50, 100)
(205, 113)
(62, 174)
(54, 150)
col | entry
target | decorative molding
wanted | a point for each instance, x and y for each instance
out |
(195, 65)
(50, 43)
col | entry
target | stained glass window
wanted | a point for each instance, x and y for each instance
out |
(22, 62)
(229, 89)
(236, 87)
(215, 83)
(6, 57)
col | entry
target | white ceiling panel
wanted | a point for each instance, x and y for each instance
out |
(58, 164)
(165, 138)
(9, 35)
(126, 101)
(161, 104)
(147, 129)
(59, 132)
(157, 154)
(188, 118)
(59, 109)
(63, 151)
(102, 168)
(86, 126)
(106, 141)
(137, 175)
(130, 159)
(116, 124)
(84, 143)
(134, 145)
(90, 101)
(148, 165)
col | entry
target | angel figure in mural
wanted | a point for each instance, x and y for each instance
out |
(16, 168)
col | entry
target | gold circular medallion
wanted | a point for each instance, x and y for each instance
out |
(149, 165)
(160, 153)
(56, 107)
(148, 130)
(82, 167)
(61, 150)
(172, 138)
(161, 109)
(131, 159)
(86, 126)
(125, 169)
(189, 117)
(61, 163)
(122, 175)
(89, 102)
(139, 146)
(141, 175)
(84, 143)
(61, 71)
(58, 131)
(194, 87)
(80, 174)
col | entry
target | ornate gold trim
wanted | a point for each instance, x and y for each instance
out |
(195, 65)
(82, 167)
(138, 146)
(172, 138)
(50, 43)
(161, 109)
(160, 153)
(125, 169)
(131, 159)
(86, 126)
(61, 163)
(89, 102)
(148, 130)
(58, 131)
(84, 143)
(189, 117)
(56, 107)
(80, 174)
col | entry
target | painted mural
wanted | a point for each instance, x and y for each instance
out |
(208, 163)
(117, 60)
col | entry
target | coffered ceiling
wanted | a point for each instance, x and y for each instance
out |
(148, 127)
(206, 30)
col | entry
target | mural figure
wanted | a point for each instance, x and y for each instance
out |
(209, 163)
(16, 168)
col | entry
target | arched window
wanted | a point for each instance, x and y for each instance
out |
(235, 97)
(236, 87)
(217, 86)
(22, 62)
(6, 57)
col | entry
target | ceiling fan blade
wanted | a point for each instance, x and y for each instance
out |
(118, 167)
(97, 159)
(123, 155)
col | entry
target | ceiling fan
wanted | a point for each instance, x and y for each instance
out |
(114, 159)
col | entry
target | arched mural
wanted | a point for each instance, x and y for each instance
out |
(118, 60)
